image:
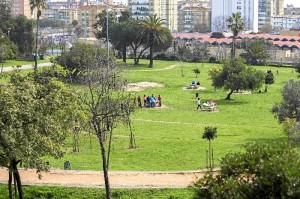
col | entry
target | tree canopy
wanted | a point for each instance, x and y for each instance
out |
(80, 56)
(33, 122)
(235, 76)
(256, 51)
(290, 105)
(264, 170)
(152, 28)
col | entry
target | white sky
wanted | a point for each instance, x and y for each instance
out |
(296, 3)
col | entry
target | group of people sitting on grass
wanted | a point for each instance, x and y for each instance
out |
(149, 102)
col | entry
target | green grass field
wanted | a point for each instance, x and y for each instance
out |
(170, 139)
(43, 192)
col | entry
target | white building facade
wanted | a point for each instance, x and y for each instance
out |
(222, 9)
(286, 22)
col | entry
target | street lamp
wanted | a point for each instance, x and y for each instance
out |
(107, 42)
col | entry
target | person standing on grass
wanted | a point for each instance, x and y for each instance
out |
(145, 100)
(199, 104)
(139, 101)
(159, 100)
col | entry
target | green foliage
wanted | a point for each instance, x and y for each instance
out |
(235, 76)
(210, 133)
(269, 79)
(196, 71)
(22, 35)
(33, 120)
(256, 51)
(263, 171)
(6, 19)
(82, 55)
(235, 23)
(152, 28)
(8, 50)
(290, 105)
(101, 25)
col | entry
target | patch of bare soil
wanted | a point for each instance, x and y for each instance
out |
(126, 179)
(195, 88)
(142, 86)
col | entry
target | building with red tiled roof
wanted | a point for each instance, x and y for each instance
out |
(278, 40)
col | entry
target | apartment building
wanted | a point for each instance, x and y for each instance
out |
(222, 9)
(20, 7)
(87, 16)
(165, 9)
(286, 22)
(140, 9)
(267, 9)
(194, 19)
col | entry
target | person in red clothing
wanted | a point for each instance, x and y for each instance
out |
(159, 100)
(139, 101)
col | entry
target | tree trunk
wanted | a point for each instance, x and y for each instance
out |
(229, 94)
(10, 184)
(104, 166)
(266, 88)
(131, 146)
(36, 43)
(124, 53)
(151, 50)
(209, 155)
(233, 48)
(136, 61)
(17, 178)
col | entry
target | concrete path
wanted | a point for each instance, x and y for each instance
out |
(24, 67)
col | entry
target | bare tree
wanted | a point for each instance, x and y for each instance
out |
(107, 104)
(219, 24)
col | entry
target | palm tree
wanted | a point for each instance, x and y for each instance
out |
(210, 133)
(235, 23)
(152, 28)
(37, 5)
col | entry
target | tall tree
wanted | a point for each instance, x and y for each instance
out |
(235, 76)
(34, 121)
(256, 51)
(37, 5)
(80, 56)
(101, 25)
(6, 19)
(269, 79)
(152, 27)
(236, 24)
(22, 35)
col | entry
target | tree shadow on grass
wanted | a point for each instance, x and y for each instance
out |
(230, 102)
(267, 140)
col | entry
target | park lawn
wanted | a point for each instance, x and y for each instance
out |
(51, 192)
(170, 139)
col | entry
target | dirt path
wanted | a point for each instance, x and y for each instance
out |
(158, 69)
(121, 179)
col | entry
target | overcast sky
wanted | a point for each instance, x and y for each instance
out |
(296, 3)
